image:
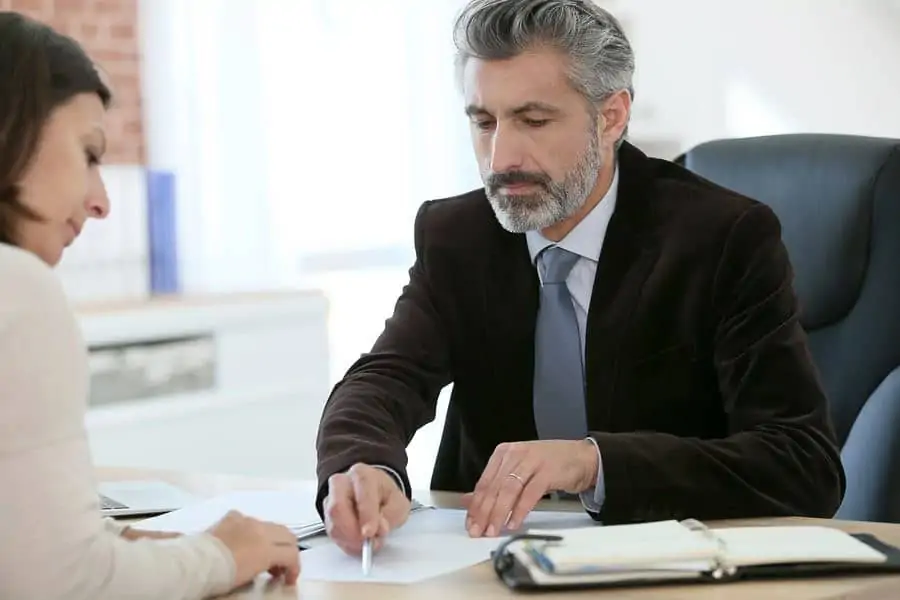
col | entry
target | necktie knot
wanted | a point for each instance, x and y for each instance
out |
(555, 264)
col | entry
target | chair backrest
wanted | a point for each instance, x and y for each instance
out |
(838, 199)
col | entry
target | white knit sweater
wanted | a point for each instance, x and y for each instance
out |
(54, 544)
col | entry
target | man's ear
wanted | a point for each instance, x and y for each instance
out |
(612, 119)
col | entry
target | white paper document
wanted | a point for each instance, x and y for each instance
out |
(432, 543)
(290, 508)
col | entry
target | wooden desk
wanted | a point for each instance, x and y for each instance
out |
(480, 583)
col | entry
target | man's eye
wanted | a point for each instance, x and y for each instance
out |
(484, 125)
(536, 122)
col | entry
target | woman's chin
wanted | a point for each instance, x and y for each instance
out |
(51, 255)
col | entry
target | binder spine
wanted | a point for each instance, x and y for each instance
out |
(723, 569)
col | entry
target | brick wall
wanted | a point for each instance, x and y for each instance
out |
(108, 31)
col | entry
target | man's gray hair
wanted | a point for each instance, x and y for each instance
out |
(602, 61)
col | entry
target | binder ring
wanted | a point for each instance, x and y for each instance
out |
(723, 569)
(502, 558)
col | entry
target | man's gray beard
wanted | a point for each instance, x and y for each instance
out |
(533, 212)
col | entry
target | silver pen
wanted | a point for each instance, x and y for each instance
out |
(367, 556)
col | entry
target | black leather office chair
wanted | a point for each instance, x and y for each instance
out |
(838, 199)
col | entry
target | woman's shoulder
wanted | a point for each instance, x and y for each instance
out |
(27, 281)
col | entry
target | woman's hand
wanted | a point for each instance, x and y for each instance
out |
(258, 546)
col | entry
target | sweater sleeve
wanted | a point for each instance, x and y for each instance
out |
(54, 543)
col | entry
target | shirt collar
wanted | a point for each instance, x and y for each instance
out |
(586, 238)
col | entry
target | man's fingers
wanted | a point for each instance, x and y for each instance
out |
(393, 514)
(356, 549)
(353, 549)
(487, 479)
(396, 510)
(384, 528)
(485, 500)
(511, 487)
(480, 509)
(341, 520)
(528, 499)
(368, 502)
(482, 487)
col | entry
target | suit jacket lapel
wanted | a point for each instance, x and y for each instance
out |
(629, 252)
(511, 303)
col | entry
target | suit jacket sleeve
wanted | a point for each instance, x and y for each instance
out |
(389, 393)
(780, 457)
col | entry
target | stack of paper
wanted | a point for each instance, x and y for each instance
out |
(305, 531)
(294, 510)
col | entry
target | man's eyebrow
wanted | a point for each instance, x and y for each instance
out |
(474, 109)
(534, 106)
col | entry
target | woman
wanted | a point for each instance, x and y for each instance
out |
(53, 542)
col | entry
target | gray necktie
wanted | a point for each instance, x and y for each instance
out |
(558, 375)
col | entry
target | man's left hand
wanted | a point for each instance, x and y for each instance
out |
(519, 474)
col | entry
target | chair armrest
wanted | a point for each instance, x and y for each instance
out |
(871, 457)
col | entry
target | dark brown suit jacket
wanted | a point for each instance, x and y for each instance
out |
(701, 392)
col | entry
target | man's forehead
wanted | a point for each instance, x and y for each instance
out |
(537, 79)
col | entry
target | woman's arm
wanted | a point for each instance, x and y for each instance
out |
(129, 533)
(53, 542)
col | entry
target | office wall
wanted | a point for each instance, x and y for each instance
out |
(108, 31)
(708, 69)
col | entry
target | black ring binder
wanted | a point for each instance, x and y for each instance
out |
(503, 560)
(518, 575)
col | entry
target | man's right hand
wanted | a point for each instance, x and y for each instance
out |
(365, 502)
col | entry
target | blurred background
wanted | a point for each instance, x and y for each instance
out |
(267, 158)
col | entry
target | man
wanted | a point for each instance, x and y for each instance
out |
(614, 326)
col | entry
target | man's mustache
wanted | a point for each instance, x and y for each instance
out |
(498, 180)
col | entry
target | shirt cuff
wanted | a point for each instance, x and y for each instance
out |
(396, 477)
(592, 500)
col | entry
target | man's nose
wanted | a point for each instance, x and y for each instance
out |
(506, 151)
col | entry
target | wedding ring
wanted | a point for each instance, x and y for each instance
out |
(517, 477)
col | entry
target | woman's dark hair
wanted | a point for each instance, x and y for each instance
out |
(40, 69)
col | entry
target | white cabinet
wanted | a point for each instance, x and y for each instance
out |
(225, 384)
